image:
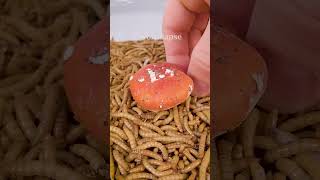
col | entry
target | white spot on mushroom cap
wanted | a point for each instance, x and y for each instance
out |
(152, 75)
(169, 71)
(162, 76)
(141, 79)
(130, 78)
(68, 53)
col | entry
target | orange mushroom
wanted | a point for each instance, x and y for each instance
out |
(160, 86)
(85, 80)
(239, 80)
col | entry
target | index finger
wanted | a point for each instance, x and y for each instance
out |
(177, 23)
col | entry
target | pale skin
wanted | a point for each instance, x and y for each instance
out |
(290, 51)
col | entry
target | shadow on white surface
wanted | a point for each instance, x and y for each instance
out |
(136, 19)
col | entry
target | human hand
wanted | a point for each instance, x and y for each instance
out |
(189, 20)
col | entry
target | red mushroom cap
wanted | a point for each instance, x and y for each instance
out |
(160, 86)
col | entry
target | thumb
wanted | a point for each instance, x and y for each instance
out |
(199, 67)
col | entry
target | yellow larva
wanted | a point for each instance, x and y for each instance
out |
(49, 113)
(300, 122)
(202, 143)
(248, 129)
(121, 144)
(186, 125)
(154, 144)
(11, 127)
(15, 150)
(148, 153)
(177, 119)
(139, 168)
(170, 139)
(95, 159)
(291, 169)
(188, 155)
(191, 166)
(75, 133)
(119, 132)
(174, 177)
(119, 159)
(140, 175)
(24, 118)
(309, 162)
(155, 172)
(204, 165)
(159, 115)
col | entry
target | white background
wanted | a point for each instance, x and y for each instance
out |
(136, 19)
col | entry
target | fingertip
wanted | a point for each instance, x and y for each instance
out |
(201, 89)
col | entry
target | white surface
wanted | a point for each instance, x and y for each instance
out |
(136, 19)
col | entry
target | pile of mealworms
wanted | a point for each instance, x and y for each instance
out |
(170, 144)
(39, 137)
(269, 146)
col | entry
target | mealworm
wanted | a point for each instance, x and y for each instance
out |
(24, 118)
(191, 166)
(203, 117)
(4, 140)
(49, 112)
(138, 110)
(119, 132)
(13, 79)
(186, 125)
(40, 168)
(61, 124)
(188, 103)
(174, 177)
(119, 143)
(203, 100)
(169, 139)
(28, 31)
(225, 152)
(244, 175)
(11, 128)
(49, 149)
(193, 175)
(309, 162)
(148, 153)
(69, 158)
(264, 142)
(168, 127)
(164, 167)
(271, 122)
(120, 149)
(283, 137)
(54, 74)
(279, 176)
(201, 108)
(95, 159)
(119, 159)
(15, 150)
(146, 134)
(202, 143)
(176, 118)
(27, 83)
(151, 169)
(201, 127)
(154, 144)
(140, 175)
(159, 115)
(300, 122)
(290, 149)
(291, 169)
(75, 133)
(207, 114)
(139, 168)
(257, 171)
(204, 165)
(237, 151)
(34, 104)
(248, 129)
